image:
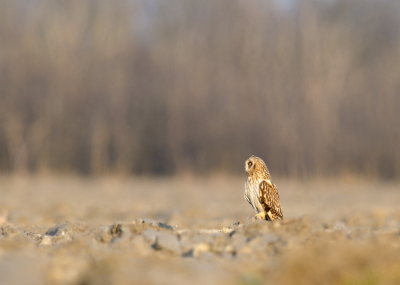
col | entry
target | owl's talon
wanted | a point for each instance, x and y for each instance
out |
(259, 216)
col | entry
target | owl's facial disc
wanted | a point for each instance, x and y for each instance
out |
(249, 165)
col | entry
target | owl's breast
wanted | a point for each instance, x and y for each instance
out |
(251, 194)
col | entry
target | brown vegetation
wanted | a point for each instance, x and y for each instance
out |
(96, 86)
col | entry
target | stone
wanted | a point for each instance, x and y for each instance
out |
(165, 226)
(157, 224)
(210, 231)
(150, 235)
(186, 248)
(118, 230)
(69, 228)
(45, 240)
(141, 246)
(34, 237)
(168, 241)
(200, 248)
(137, 221)
(150, 221)
(227, 230)
(8, 230)
(102, 234)
(204, 238)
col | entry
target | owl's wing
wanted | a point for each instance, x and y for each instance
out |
(269, 199)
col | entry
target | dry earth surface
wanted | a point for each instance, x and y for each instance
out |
(72, 230)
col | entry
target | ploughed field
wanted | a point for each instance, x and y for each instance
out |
(73, 230)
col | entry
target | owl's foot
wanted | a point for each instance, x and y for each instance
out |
(259, 216)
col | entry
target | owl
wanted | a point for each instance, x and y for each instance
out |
(260, 192)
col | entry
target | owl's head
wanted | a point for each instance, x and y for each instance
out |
(255, 165)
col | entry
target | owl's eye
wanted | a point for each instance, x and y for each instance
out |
(249, 164)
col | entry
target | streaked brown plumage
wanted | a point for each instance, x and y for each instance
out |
(259, 190)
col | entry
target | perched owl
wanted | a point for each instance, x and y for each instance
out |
(259, 190)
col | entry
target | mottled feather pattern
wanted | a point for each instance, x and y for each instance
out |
(269, 198)
(260, 192)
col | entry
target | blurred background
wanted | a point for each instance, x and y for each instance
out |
(196, 87)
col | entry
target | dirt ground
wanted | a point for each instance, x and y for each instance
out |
(74, 230)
